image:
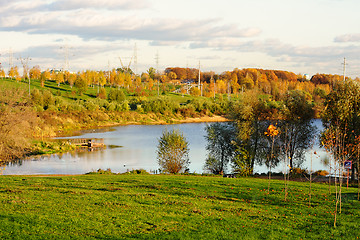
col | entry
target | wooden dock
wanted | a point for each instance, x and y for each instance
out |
(88, 142)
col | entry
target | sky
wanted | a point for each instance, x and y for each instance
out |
(307, 36)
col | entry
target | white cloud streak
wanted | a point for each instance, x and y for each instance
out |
(348, 38)
(84, 19)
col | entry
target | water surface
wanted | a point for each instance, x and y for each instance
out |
(139, 143)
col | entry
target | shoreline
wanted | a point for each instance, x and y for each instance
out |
(108, 126)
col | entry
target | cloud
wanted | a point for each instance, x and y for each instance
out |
(64, 5)
(21, 6)
(91, 24)
(348, 38)
(105, 20)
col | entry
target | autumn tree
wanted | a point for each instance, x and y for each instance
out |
(14, 73)
(2, 73)
(101, 78)
(59, 78)
(272, 159)
(173, 152)
(171, 76)
(119, 79)
(194, 91)
(127, 80)
(71, 80)
(81, 84)
(35, 72)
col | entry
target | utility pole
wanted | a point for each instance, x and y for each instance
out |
(344, 68)
(213, 80)
(157, 71)
(10, 59)
(199, 84)
(135, 59)
(66, 66)
(24, 62)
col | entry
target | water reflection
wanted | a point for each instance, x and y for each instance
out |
(138, 151)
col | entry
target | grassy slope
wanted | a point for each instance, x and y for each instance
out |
(69, 93)
(169, 207)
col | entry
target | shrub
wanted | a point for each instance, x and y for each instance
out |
(111, 107)
(321, 173)
(138, 171)
(36, 97)
(90, 105)
(194, 91)
(116, 95)
(122, 107)
(173, 152)
(102, 93)
(101, 171)
(48, 99)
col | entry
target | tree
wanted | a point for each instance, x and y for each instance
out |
(249, 115)
(2, 72)
(72, 79)
(35, 72)
(151, 72)
(271, 159)
(171, 76)
(297, 130)
(14, 72)
(194, 91)
(220, 146)
(116, 95)
(59, 78)
(342, 112)
(81, 84)
(102, 78)
(341, 119)
(173, 152)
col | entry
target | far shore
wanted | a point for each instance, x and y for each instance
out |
(104, 127)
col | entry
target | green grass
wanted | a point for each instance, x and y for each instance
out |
(169, 207)
(69, 93)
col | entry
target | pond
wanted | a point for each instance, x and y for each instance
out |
(138, 151)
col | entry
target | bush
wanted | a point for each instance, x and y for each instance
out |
(101, 171)
(36, 97)
(160, 105)
(90, 105)
(194, 91)
(173, 152)
(321, 173)
(138, 171)
(122, 107)
(298, 171)
(187, 110)
(52, 108)
(102, 93)
(116, 95)
(111, 107)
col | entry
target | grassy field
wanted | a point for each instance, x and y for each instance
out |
(170, 207)
(69, 93)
